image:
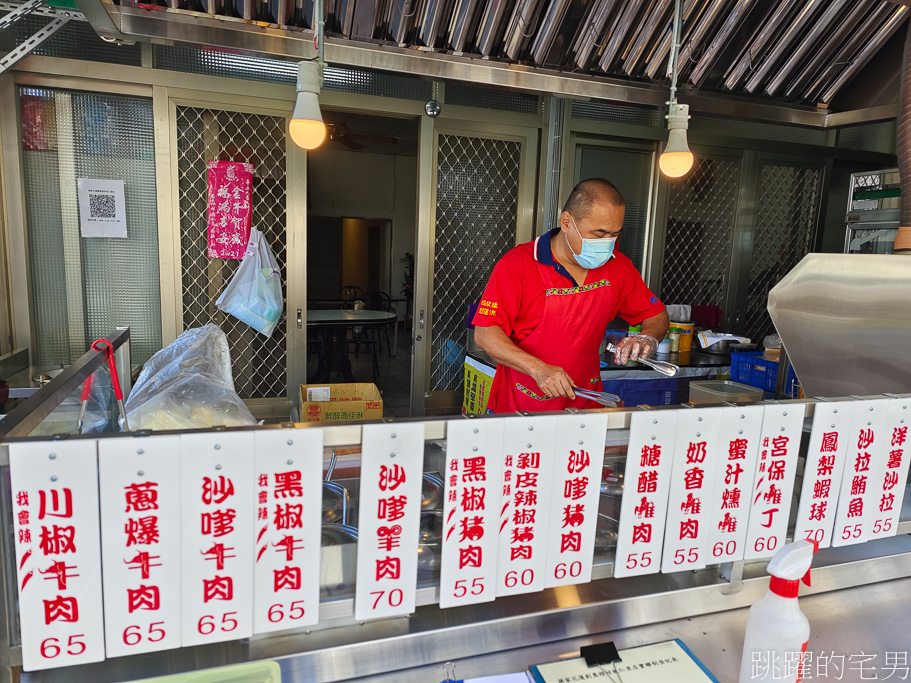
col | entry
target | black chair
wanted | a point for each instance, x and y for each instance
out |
(350, 292)
(314, 338)
(380, 301)
(361, 335)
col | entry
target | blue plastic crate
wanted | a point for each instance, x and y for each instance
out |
(752, 369)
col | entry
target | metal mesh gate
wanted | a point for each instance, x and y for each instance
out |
(700, 223)
(477, 208)
(259, 364)
(785, 228)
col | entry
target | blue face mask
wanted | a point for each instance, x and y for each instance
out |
(595, 253)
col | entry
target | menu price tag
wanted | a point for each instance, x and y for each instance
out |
(867, 449)
(54, 487)
(892, 473)
(823, 472)
(643, 508)
(140, 525)
(288, 517)
(392, 465)
(692, 487)
(217, 512)
(528, 466)
(474, 477)
(739, 437)
(773, 482)
(574, 498)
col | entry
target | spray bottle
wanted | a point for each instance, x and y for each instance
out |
(777, 631)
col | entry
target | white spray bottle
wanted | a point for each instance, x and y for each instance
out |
(777, 631)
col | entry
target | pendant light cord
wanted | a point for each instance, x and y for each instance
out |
(675, 49)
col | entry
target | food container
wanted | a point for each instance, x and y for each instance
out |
(686, 335)
(719, 391)
(675, 341)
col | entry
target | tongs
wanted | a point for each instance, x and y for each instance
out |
(103, 345)
(661, 366)
(602, 397)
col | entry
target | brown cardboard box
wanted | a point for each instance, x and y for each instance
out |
(345, 402)
(772, 354)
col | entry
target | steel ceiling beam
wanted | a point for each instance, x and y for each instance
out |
(169, 26)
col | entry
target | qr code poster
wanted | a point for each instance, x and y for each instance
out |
(102, 211)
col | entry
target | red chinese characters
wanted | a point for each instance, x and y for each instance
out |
(142, 534)
(389, 566)
(229, 208)
(216, 521)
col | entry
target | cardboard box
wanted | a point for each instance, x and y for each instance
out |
(340, 402)
(772, 354)
(478, 380)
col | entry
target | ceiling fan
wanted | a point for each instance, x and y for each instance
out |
(339, 133)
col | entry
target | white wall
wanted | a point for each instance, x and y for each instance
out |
(362, 185)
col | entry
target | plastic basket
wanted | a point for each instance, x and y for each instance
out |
(751, 368)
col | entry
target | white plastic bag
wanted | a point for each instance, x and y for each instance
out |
(188, 385)
(254, 294)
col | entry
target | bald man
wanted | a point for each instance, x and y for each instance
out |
(548, 303)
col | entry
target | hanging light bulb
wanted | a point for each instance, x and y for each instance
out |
(676, 159)
(307, 129)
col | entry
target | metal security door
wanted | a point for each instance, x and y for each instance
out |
(787, 211)
(699, 236)
(260, 364)
(483, 204)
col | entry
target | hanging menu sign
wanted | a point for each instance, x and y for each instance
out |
(474, 476)
(140, 527)
(528, 466)
(392, 464)
(643, 508)
(822, 474)
(217, 513)
(739, 439)
(54, 489)
(858, 500)
(773, 482)
(288, 500)
(576, 493)
(689, 512)
(889, 483)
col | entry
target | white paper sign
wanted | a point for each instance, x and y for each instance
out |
(823, 472)
(689, 512)
(739, 438)
(54, 487)
(892, 473)
(528, 465)
(868, 448)
(389, 519)
(102, 210)
(643, 508)
(217, 511)
(773, 485)
(576, 492)
(140, 530)
(288, 499)
(474, 477)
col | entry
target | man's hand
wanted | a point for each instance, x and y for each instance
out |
(635, 347)
(553, 381)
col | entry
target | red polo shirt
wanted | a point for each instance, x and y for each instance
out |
(514, 297)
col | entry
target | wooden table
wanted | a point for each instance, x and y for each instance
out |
(333, 324)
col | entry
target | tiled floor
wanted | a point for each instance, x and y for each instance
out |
(394, 379)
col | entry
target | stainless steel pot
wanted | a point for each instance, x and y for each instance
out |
(430, 542)
(432, 492)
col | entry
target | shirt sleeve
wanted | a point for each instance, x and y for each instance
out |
(501, 299)
(638, 302)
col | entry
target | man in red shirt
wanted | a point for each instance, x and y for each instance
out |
(548, 303)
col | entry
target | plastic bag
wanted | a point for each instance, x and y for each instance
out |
(188, 385)
(254, 294)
